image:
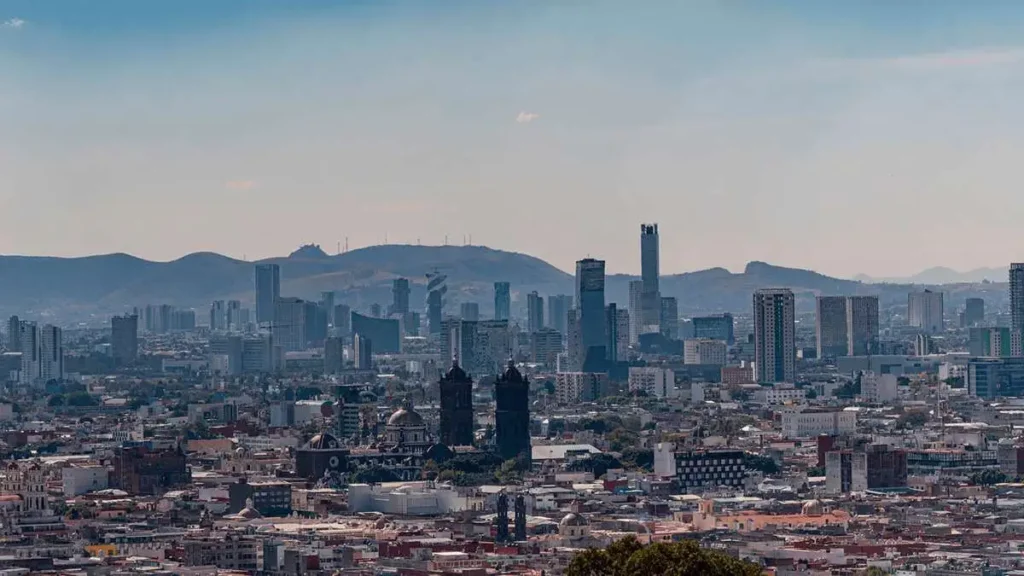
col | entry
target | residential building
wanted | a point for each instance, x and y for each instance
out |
(575, 387)
(878, 388)
(705, 351)
(362, 352)
(925, 310)
(232, 552)
(268, 290)
(830, 326)
(861, 325)
(636, 291)
(669, 320)
(774, 335)
(14, 334)
(334, 355)
(545, 346)
(715, 327)
(653, 381)
(268, 497)
(535, 312)
(124, 338)
(990, 341)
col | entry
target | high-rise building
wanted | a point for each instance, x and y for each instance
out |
(512, 414)
(830, 326)
(974, 313)
(558, 310)
(342, 319)
(437, 288)
(400, 296)
(717, 327)
(535, 312)
(234, 315)
(31, 353)
(218, 316)
(458, 341)
(268, 290)
(774, 335)
(362, 352)
(650, 299)
(590, 312)
(124, 338)
(669, 322)
(502, 300)
(861, 325)
(289, 325)
(327, 305)
(334, 355)
(469, 311)
(14, 334)
(457, 425)
(705, 351)
(621, 335)
(611, 330)
(51, 361)
(636, 292)
(385, 333)
(545, 346)
(925, 309)
(493, 345)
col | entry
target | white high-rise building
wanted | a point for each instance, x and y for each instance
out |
(653, 381)
(705, 351)
(31, 353)
(924, 311)
(774, 335)
(42, 358)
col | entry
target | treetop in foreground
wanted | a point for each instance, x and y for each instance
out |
(628, 557)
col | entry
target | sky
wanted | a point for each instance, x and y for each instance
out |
(877, 136)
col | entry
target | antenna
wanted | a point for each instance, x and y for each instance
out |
(346, 243)
(339, 247)
(445, 239)
(470, 239)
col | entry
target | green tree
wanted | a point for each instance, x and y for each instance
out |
(762, 464)
(628, 557)
(911, 420)
(374, 475)
(638, 458)
(988, 477)
(875, 571)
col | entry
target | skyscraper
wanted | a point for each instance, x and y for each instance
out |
(617, 331)
(830, 326)
(14, 334)
(669, 317)
(124, 338)
(52, 361)
(327, 305)
(974, 312)
(218, 316)
(334, 355)
(400, 296)
(289, 326)
(512, 414)
(502, 300)
(437, 288)
(590, 313)
(862, 325)
(1017, 297)
(774, 335)
(535, 312)
(636, 292)
(268, 290)
(925, 309)
(650, 299)
(31, 353)
(362, 352)
(458, 341)
(42, 357)
(456, 389)
(558, 310)
(469, 311)
(342, 319)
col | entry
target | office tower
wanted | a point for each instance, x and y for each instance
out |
(362, 352)
(400, 296)
(636, 292)
(974, 312)
(31, 353)
(124, 338)
(705, 351)
(558, 310)
(716, 327)
(502, 300)
(51, 361)
(774, 335)
(830, 326)
(650, 299)
(1017, 297)
(545, 346)
(512, 414)
(14, 334)
(456, 390)
(469, 311)
(334, 355)
(342, 319)
(535, 312)
(611, 330)
(259, 355)
(590, 313)
(862, 325)
(225, 354)
(315, 324)
(375, 310)
(925, 309)
(233, 316)
(436, 290)
(268, 290)
(289, 326)
(669, 322)
(573, 343)
(218, 317)
(385, 333)
(327, 305)
(493, 345)
(458, 341)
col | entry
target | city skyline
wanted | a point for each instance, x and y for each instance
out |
(701, 110)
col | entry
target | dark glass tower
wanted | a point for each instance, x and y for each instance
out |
(456, 407)
(512, 414)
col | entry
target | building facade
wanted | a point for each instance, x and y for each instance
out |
(925, 311)
(268, 290)
(457, 423)
(705, 351)
(830, 326)
(512, 414)
(774, 335)
(502, 300)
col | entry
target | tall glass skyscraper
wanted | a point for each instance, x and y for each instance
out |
(502, 300)
(650, 298)
(590, 310)
(268, 290)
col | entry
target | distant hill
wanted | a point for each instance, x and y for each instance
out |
(89, 289)
(942, 275)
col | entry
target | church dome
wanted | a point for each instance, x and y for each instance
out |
(812, 508)
(438, 453)
(573, 520)
(405, 417)
(512, 374)
(456, 373)
(324, 441)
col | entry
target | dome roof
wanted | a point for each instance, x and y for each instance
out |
(406, 417)
(438, 453)
(512, 374)
(812, 508)
(573, 519)
(324, 441)
(456, 373)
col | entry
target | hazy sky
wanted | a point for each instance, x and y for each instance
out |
(880, 136)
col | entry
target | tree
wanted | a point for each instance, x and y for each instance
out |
(988, 477)
(762, 464)
(633, 457)
(628, 557)
(373, 475)
(875, 571)
(910, 420)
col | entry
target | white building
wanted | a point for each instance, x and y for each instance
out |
(925, 310)
(780, 394)
(657, 382)
(705, 351)
(406, 499)
(574, 387)
(42, 353)
(878, 388)
(80, 480)
(811, 423)
(846, 471)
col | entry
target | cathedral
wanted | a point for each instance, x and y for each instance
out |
(456, 407)
(512, 414)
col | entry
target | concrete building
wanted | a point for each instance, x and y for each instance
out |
(80, 480)
(669, 319)
(289, 324)
(400, 296)
(437, 289)
(535, 312)
(995, 377)
(575, 387)
(334, 355)
(590, 312)
(925, 311)
(974, 312)
(469, 311)
(715, 327)
(124, 338)
(362, 352)
(861, 325)
(268, 497)
(830, 326)
(545, 346)
(653, 381)
(879, 388)
(698, 470)
(406, 499)
(636, 290)
(558, 311)
(617, 331)
(705, 351)
(42, 354)
(502, 300)
(268, 290)
(385, 333)
(816, 422)
(650, 297)
(774, 335)
(846, 471)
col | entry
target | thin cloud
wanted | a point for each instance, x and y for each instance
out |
(931, 61)
(13, 23)
(240, 184)
(527, 117)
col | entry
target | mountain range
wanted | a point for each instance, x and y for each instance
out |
(942, 275)
(89, 289)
